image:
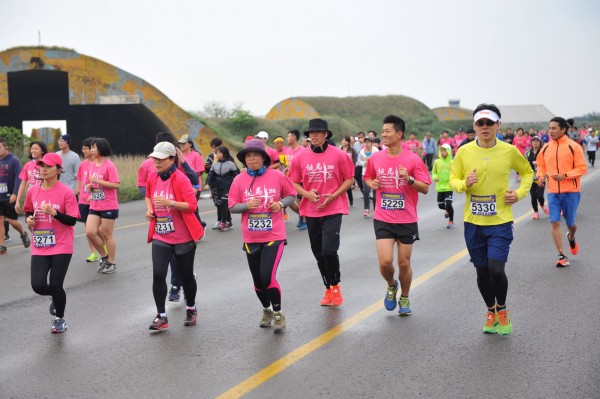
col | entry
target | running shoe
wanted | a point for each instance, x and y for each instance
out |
(336, 295)
(326, 301)
(279, 324)
(491, 324)
(174, 293)
(103, 263)
(52, 309)
(222, 227)
(299, 224)
(545, 208)
(267, 318)
(110, 268)
(217, 225)
(286, 216)
(562, 261)
(303, 226)
(366, 213)
(190, 317)
(229, 225)
(450, 225)
(3, 250)
(58, 326)
(6, 238)
(573, 246)
(535, 216)
(390, 297)
(25, 240)
(504, 324)
(94, 257)
(159, 323)
(404, 304)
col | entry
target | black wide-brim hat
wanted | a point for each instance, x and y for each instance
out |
(254, 145)
(318, 125)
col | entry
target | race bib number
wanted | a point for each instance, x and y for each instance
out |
(43, 238)
(97, 194)
(260, 222)
(3, 188)
(164, 225)
(483, 205)
(392, 201)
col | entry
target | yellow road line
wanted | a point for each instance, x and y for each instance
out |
(286, 361)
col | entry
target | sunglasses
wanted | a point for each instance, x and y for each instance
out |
(486, 122)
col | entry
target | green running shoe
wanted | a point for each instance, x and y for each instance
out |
(93, 258)
(404, 304)
(504, 324)
(491, 324)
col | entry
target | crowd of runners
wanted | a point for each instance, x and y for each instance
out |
(313, 178)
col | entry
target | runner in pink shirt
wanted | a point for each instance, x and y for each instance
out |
(291, 151)
(260, 195)
(30, 174)
(193, 158)
(322, 174)
(174, 230)
(82, 181)
(398, 177)
(50, 213)
(104, 205)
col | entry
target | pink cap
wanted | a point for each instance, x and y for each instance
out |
(51, 159)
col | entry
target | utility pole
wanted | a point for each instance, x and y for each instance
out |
(40, 38)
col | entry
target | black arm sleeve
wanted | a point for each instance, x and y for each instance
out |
(191, 174)
(65, 219)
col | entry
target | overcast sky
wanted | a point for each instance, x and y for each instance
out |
(508, 52)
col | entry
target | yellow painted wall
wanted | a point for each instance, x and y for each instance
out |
(292, 108)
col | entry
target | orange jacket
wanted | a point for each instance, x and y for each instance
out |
(562, 157)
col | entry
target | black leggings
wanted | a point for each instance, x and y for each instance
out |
(444, 199)
(57, 266)
(358, 176)
(217, 201)
(592, 157)
(537, 195)
(324, 237)
(492, 283)
(224, 213)
(185, 265)
(263, 259)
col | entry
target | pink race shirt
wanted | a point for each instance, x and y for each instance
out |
(396, 201)
(30, 173)
(51, 237)
(170, 227)
(83, 179)
(413, 145)
(261, 224)
(102, 198)
(194, 159)
(447, 141)
(273, 154)
(521, 144)
(144, 171)
(325, 173)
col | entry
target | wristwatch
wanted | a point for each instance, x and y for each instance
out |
(411, 180)
(172, 204)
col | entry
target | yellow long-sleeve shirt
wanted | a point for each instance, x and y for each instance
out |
(485, 204)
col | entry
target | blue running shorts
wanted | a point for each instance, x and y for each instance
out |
(565, 202)
(488, 242)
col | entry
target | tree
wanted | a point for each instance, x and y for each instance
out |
(16, 140)
(242, 122)
(216, 109)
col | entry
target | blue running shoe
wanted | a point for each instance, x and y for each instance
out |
(390, 297)
(404, 304)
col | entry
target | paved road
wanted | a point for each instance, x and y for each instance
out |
(355, 351)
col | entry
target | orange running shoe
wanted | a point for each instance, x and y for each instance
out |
(336, 295)
(326, 301)
(504, 324)
(491, 324)
(573, 246)
(562, 261)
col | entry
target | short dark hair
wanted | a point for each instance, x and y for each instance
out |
(490, 107)
(373, 131)
(40, 144)
(295, 133)
(102, 146)
(226, 155)
(165, 136)
(562, 122)
(216, 142)
(87, 142)
(359, 133)
(398, 123)
(4, 142)
(470, 131)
